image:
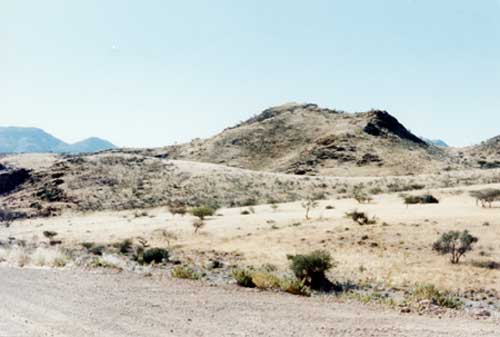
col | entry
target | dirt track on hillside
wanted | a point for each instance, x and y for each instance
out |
(83, 304)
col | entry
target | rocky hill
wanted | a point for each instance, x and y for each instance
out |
(485, 155)
(306, 139)
(34, 140)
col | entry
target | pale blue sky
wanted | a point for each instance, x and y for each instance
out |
(152, 72)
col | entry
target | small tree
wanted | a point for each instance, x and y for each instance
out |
(486, 196)
(309, 204)
(454, 243)
(198, 224)
(201, 212)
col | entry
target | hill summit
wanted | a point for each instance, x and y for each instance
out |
(307, 139)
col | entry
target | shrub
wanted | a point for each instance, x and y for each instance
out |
(203, 211)
(274, 206)
(49, 234)
(186, 273)
(243, 278)
(93, 249)
(454, 243)
(420, 199)
(245, 212)
(265, 280)
(361, 218)
(124, 246)
(178, 209)
(249, 202)
(310, 269)
(156, 255)
(440, 298)
(295, 287)
(493, 265)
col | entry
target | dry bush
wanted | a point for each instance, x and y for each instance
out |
(361, 218)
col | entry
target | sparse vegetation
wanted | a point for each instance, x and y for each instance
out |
(186, 273)
(426, 292)
(265, 280)
(455, 244)
(243, 278)
(361, 196)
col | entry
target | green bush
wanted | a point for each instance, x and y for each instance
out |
(203, 211)
(454, 243)
(243, 278)
(156, 255)
(311, 268)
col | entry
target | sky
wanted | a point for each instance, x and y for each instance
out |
(156, 72)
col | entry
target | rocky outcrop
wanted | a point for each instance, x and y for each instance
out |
(10, 181)
(382, 124)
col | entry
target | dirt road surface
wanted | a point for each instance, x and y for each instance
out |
(39, 302)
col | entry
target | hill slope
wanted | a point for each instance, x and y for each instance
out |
(34, 140)
(307, 139)
(485, 155)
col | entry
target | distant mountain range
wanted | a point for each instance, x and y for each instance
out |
(34, 140)
(436, 142)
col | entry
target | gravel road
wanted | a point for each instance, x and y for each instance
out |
(71, 303)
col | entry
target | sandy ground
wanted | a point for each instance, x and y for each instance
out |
(37, 302)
